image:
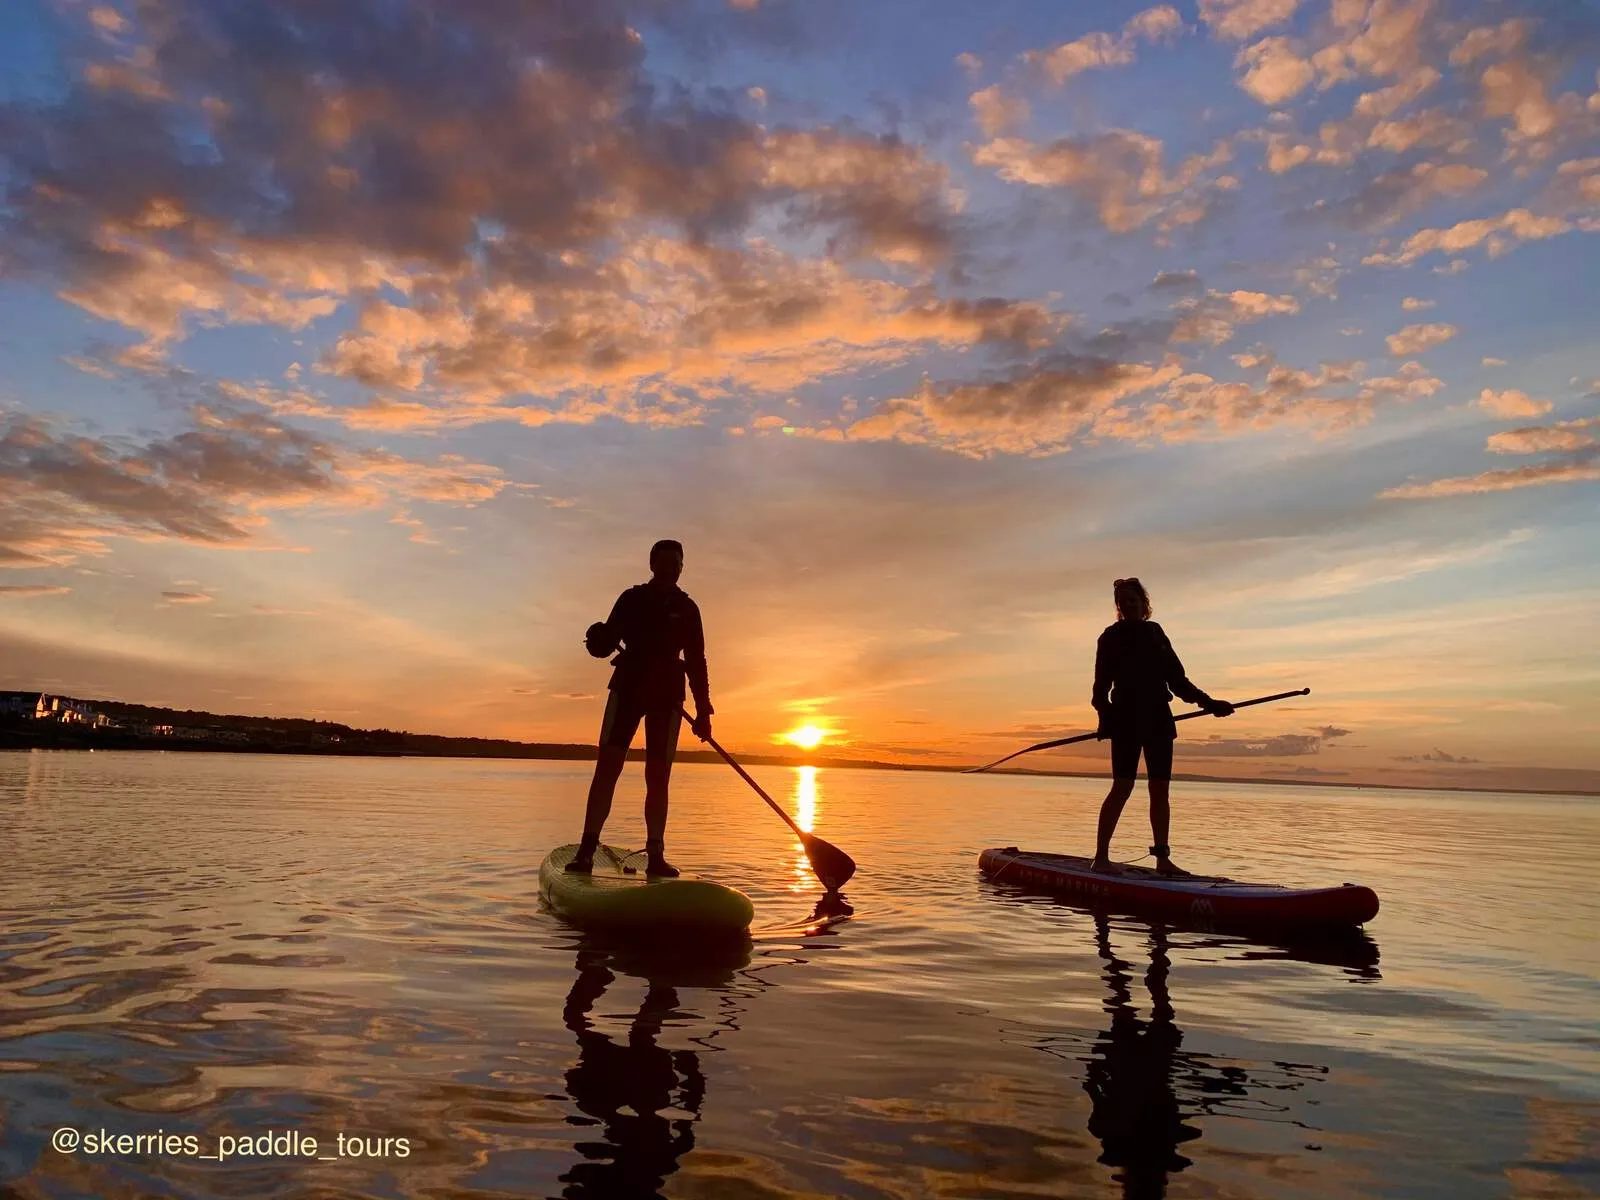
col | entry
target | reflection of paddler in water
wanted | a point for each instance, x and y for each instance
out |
(1146, 1091)
(645, 1097)
(1130, 1078)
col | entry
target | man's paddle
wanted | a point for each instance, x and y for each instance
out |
(1084, 737)
(831, 864)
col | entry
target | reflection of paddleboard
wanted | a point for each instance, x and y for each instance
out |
(1206, 898)
(610, 898)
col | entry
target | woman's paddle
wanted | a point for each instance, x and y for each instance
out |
(1084, 737)
(831, 864)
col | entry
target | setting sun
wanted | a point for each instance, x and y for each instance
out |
(807, 737)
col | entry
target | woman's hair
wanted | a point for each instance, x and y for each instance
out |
(1133, 602)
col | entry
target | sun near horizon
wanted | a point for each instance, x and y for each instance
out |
(806, 737)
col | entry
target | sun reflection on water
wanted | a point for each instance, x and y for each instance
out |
(805, 816)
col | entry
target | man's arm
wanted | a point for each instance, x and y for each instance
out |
(603, 637)
(694, 662)
(621, 622)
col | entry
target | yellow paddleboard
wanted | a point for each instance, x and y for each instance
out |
(614, 898)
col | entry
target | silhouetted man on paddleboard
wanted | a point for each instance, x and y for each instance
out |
(1134, 666)
(663, 642)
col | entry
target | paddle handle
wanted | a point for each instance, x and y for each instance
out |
(745, 775)
(1200, 712)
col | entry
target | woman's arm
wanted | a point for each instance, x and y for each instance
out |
(1103, 671)
(1172, 671)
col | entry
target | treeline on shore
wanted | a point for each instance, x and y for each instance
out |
(144, 727)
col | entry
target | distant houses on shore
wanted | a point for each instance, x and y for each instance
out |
(42, 706)
(69, 710)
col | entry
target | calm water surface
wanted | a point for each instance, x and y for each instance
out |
(210, 946)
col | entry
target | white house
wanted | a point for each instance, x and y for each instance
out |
(42, 706)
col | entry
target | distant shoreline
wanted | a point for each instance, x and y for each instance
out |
(15, 739)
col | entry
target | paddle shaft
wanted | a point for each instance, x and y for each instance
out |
(1084, 737)
(745, 775)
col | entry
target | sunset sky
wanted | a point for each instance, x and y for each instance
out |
(352, 355)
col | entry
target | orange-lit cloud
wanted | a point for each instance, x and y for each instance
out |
(1500, 233)
(1237, 20)
(63, 495)
(1512, 403)
(1499, 481)
(1414, 339)
(1120, 173)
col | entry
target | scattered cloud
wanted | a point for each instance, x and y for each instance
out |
(1541, 439)
(1238, 20)
(1490, 41)
(1500, 233)
(1176, 280)
(1155, 24)
(1512, 403)
(62, 495)
(1389, 196)
(1436, 756)
(998, 111)
(1494, 362)
(354, 173)
(1576, 468)
(1072, 58)
(187, 597)
(30, 591)
(1283, 745)
(1120, 173)
(1273, 72)
(1414, 339)
(1095, 50)
(1213, 317)
(1334, 397)
(1412, 304)
(1039, 410)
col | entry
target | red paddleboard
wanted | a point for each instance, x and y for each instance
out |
(1208, 899)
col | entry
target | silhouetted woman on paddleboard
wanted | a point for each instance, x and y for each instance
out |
(1134, 668)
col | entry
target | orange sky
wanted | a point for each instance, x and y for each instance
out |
(357, 386)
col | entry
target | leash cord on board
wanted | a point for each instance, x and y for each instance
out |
(994, 878)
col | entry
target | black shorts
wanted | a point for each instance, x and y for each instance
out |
(661, 725)
(1125, 750)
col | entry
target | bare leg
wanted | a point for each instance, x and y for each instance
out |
(607, 770)
(1161, 823)
(1110, 813)
(657, 774)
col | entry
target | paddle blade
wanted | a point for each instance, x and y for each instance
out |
(831, 864)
